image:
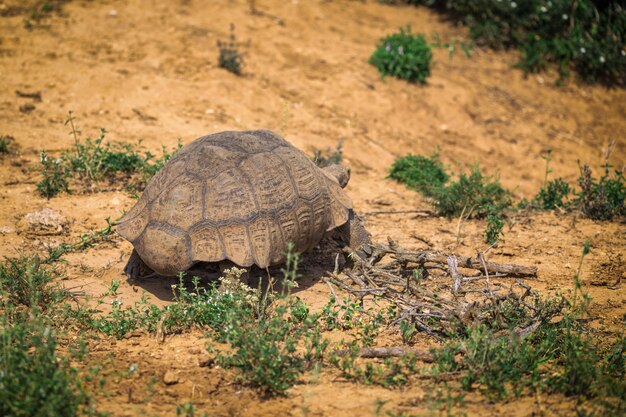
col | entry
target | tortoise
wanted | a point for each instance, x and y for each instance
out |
(240, 197)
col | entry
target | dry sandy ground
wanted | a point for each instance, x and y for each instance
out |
(146, 71)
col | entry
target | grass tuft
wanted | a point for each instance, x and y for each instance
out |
(230, 58)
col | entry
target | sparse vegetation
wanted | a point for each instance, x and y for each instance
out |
(265, 343)
(5, 144)
(230, 58)
(324, 158)
(40, 11)
(470, 195)
(403, 55)
(584, 35)
(420, 173)
(603, 199)
(34, 379)
(94, 160)
(26, 281)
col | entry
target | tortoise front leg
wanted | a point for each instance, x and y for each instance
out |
(354, 234)
(136, 268)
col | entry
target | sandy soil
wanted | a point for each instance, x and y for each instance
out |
(146, 71)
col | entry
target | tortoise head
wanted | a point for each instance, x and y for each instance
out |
(340, 172)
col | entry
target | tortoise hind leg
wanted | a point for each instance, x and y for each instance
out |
(136, 268)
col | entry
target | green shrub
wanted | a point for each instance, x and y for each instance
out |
(55, 176)
(554, 194)
(230, 58)
(586, 35)
(603, 199)
(471, 195)
(420, 173)
(403, 55)
(266, 348)
(34, 379)
(26, 281)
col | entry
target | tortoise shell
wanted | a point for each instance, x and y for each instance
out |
(240, 196)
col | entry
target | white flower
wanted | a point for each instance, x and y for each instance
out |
(602, 60)
(401, 50)
(564, 16)
(513, 4)
(388, 47)
(544, 9)
(623, 53)
(583, 50)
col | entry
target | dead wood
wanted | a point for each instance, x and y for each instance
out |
(389, 352)
(430, 291)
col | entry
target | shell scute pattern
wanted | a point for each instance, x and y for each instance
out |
(179, 205)
(206, 243)
(271, 182)
(227, 197)
(233, 195)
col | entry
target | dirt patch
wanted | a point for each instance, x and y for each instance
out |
(147, 71)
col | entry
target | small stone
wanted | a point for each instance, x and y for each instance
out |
(27, 108)
(170, 378)
(5, 230)
(205, 361)
(45, 222)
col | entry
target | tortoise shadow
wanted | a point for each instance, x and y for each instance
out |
(313, 265)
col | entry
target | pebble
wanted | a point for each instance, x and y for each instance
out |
(170, 378)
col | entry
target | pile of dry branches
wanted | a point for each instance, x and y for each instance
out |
(443, 294)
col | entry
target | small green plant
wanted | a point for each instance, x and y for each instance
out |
(40, 11)
(324, 158)
(603, 199)
(230, 58)
(471, 195)
(554, 194)
(26, 281)
(5, 144)
(403, 55)
(55, 253)
(452, 47)
(407, 331)
(493, 230)
(420, 173)
(392, 372)
(187, 409)
(54, 175)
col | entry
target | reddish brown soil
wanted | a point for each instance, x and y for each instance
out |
(146, 71)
